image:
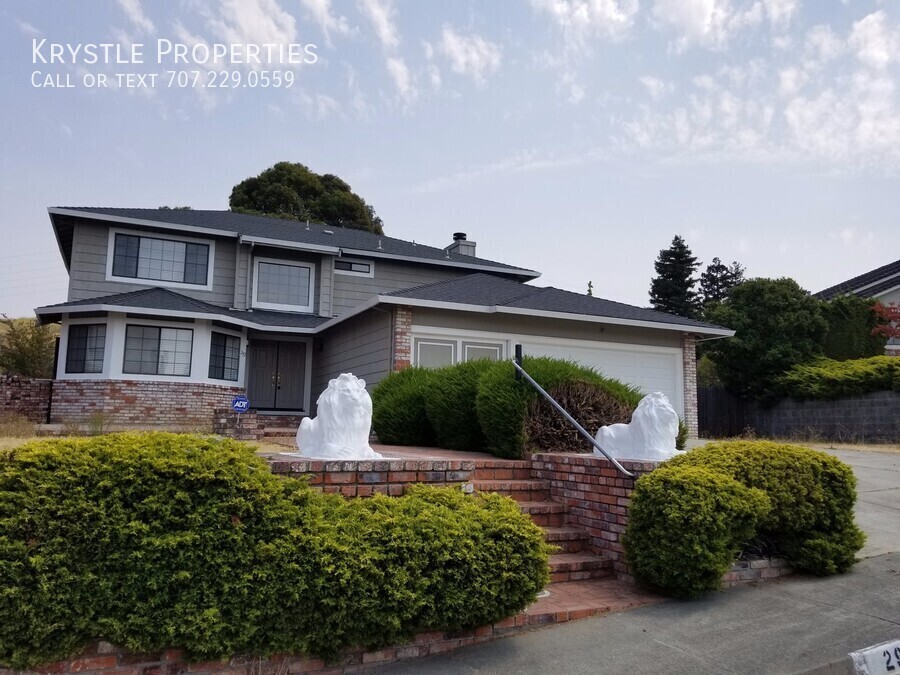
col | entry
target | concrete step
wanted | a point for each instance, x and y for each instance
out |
(520, 490)
(545, 514)
(568, 539)
(565, 567)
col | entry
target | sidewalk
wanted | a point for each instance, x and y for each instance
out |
(802, 624)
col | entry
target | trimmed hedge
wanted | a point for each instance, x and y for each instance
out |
(686, 526)
(169, 541)
(807, 513)
(828, 379)
(450, 405)
(398, 408)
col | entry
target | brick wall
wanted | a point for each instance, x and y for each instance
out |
(745, 572)
(25, 396)
(363, 478)
(689, 355)
(597, 497)
(401, 338)
(132, 403)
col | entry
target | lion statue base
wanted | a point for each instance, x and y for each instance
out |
(341, 429)
(650, 436)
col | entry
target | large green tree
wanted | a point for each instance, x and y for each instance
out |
(853, 328)
(777, 325)
(672, 289)
(718, 279)
(26, 348)
(290, 190)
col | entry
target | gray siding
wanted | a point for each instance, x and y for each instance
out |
(241, 285)
(87, 271)
(350, 291)
(360, 345)
(527, 325)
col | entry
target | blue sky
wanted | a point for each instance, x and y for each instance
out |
(575, 137)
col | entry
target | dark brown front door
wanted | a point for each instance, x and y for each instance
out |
(277, 375)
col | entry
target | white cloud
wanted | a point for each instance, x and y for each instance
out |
(399, 73)
(320, 11)
(470, 55)
(135, 13)
(709, 23)
(583, 20)
(381, 14)
(27, 29)
(656, 87)
(874, 42)
(791, 80)
(823, 44)
(254, 21)
(781, 12)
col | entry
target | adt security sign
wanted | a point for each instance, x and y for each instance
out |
(240, 404)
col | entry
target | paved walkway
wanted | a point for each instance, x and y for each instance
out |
(802, 624)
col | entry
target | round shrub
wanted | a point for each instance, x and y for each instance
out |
(450, 404)
(687, 525)
(398, 408)
(170, 541)
(812, 496)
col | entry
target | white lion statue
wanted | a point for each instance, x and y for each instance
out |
(341, 429)
(650, 436)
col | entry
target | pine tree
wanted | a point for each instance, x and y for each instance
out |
(736, 273)
(718, 280)
(590, 289)
(672, 290)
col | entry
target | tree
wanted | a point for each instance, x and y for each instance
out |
(26, 348)
(672, 290)
(777, 325)
(889, 315)
(853, 325)
(292, 191)
(718, 279)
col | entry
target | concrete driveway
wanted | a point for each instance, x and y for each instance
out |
(796, 625)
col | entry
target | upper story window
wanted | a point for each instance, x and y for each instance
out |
(163, 260)
(354, 267)
(280, 284)
(84, 353)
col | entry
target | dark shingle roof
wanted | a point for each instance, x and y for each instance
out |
(296, 232)
(876, 281)
(164, 300)
(487, 290)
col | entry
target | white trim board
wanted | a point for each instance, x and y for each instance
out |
(151, 283)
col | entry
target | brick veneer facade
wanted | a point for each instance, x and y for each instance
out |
(597, 498)
(689, 355)
(133, 403)
(401, 338)
(26, 396)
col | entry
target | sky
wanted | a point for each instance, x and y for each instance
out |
(573, 137)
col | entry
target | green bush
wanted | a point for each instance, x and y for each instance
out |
(851, 321)
(812, 496)
(398, 408)
(826, 379)
(687, 525)
(502, 402)
(450, 404)
(168, 541)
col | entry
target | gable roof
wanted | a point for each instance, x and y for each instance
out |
(866, 285)
(508, 297)
(286, 233)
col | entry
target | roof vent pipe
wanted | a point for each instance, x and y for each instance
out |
(461, 245)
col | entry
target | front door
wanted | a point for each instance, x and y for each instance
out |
(277, 375)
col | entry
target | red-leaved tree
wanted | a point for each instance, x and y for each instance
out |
(890, 315)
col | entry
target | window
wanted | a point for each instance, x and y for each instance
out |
(353, 267)
(473, 351)
(150, 350)
(224, 357)
(136, 257)
(283, 285)
(435, 353)
(85, 351)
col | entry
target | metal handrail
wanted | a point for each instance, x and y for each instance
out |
(520, 371)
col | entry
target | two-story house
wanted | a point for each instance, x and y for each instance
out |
(171, 313)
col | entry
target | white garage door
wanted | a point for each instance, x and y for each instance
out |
(648, 368)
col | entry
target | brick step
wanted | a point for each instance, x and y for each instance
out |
(280, 420)
(566, 567)
(545, 514)
(271, 432)
(520, 490)
(570, 601)
(502, 469)
(569, 539)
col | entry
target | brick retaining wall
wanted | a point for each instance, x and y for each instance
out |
(26, 396)
(745, 572)
(597, 497)
(135, 403)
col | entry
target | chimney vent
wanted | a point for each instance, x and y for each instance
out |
(461, 245)
(459, 236)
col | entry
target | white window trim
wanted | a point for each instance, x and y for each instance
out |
(131, 323)
(424, 335)
(61, 373)
(241, 353)
(370, 274)
(274, 305)
(449, 342)
(139, 281)
(481, 345)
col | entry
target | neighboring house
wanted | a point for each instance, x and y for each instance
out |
(882, 283)
(171, 313)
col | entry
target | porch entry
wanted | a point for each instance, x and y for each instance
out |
(277, 375)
